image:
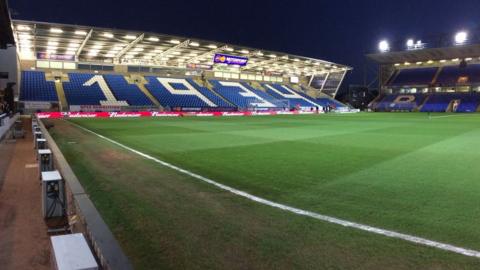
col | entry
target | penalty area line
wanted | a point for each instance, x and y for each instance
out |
(297, 211)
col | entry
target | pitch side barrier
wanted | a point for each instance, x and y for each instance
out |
(91, 223)
(54, 115)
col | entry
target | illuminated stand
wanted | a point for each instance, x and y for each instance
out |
(53, 195)
(45, 160)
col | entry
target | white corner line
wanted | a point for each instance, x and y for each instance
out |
(345, 223)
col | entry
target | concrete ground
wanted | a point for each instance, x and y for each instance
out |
(24, 242)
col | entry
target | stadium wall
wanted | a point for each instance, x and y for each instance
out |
(92, 225)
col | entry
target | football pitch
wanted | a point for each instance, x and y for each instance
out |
(410, 173)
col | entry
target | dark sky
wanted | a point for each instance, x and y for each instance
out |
(337, 30)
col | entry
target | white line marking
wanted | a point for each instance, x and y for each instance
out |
(453, 115)
(345, 223)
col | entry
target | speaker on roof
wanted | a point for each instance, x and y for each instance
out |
(463, 64)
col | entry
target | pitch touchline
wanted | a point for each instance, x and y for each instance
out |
(345, 223)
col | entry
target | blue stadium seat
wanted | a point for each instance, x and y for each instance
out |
(244, 96)
(181, 93)
(34, 87)
(122, 90)
(293, 97)
(413, 76)
(77, 94)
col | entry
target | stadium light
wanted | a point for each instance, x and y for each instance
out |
(108, 35)
(410, 43)
(194, 44)
(80, 33)
(155, 39)
(130, 37)
(384, 46)
(212, 46)
(175, 41)
(23, 28)
(56, 30)
(461, 37)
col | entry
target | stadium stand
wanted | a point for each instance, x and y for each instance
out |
(34, 87)
(185, 93)
(414, 76)
(442, 102)
(400, 102)
(453, 75)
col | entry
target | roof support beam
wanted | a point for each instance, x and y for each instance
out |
(85, 40)
(127, 48)
(172, 49)
(261, 64)
(221, 48)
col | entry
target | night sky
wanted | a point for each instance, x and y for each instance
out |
(337, 30)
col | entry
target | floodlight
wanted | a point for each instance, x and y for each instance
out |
(194, 44)
(461, 37)
(229, 49)
(175, 41)
(212, 46)
(410, 43)
(245, 51)
(130, 37)
(384, 46)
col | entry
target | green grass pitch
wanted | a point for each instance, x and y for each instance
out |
(402, 172)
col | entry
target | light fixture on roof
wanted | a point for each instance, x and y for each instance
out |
(229, 49)
(52, 43)
(73, 45)
(97, 46)
(397, 64)
(154, 39)
(272, 55)
(157, 51)
(176, 53)
(468, 59)
(69, 52)
(92, 53)
(56, 30)
(138, 49)
(117, 48)
(108, 35)
(383, 46)
(212, 46)
(23, 28)
(80, 33)
(51, 50)
(260, 53)
(132, 53)
(461, 37)
(130, 37)
(175, 41)
(430, 62)
(419, 63)
(110, 55)
(455, 59)
(245, 51)
(194, 44)
(443, 61)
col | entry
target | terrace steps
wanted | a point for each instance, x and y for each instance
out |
(140, 81)
(209, 86)
(62, 100)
